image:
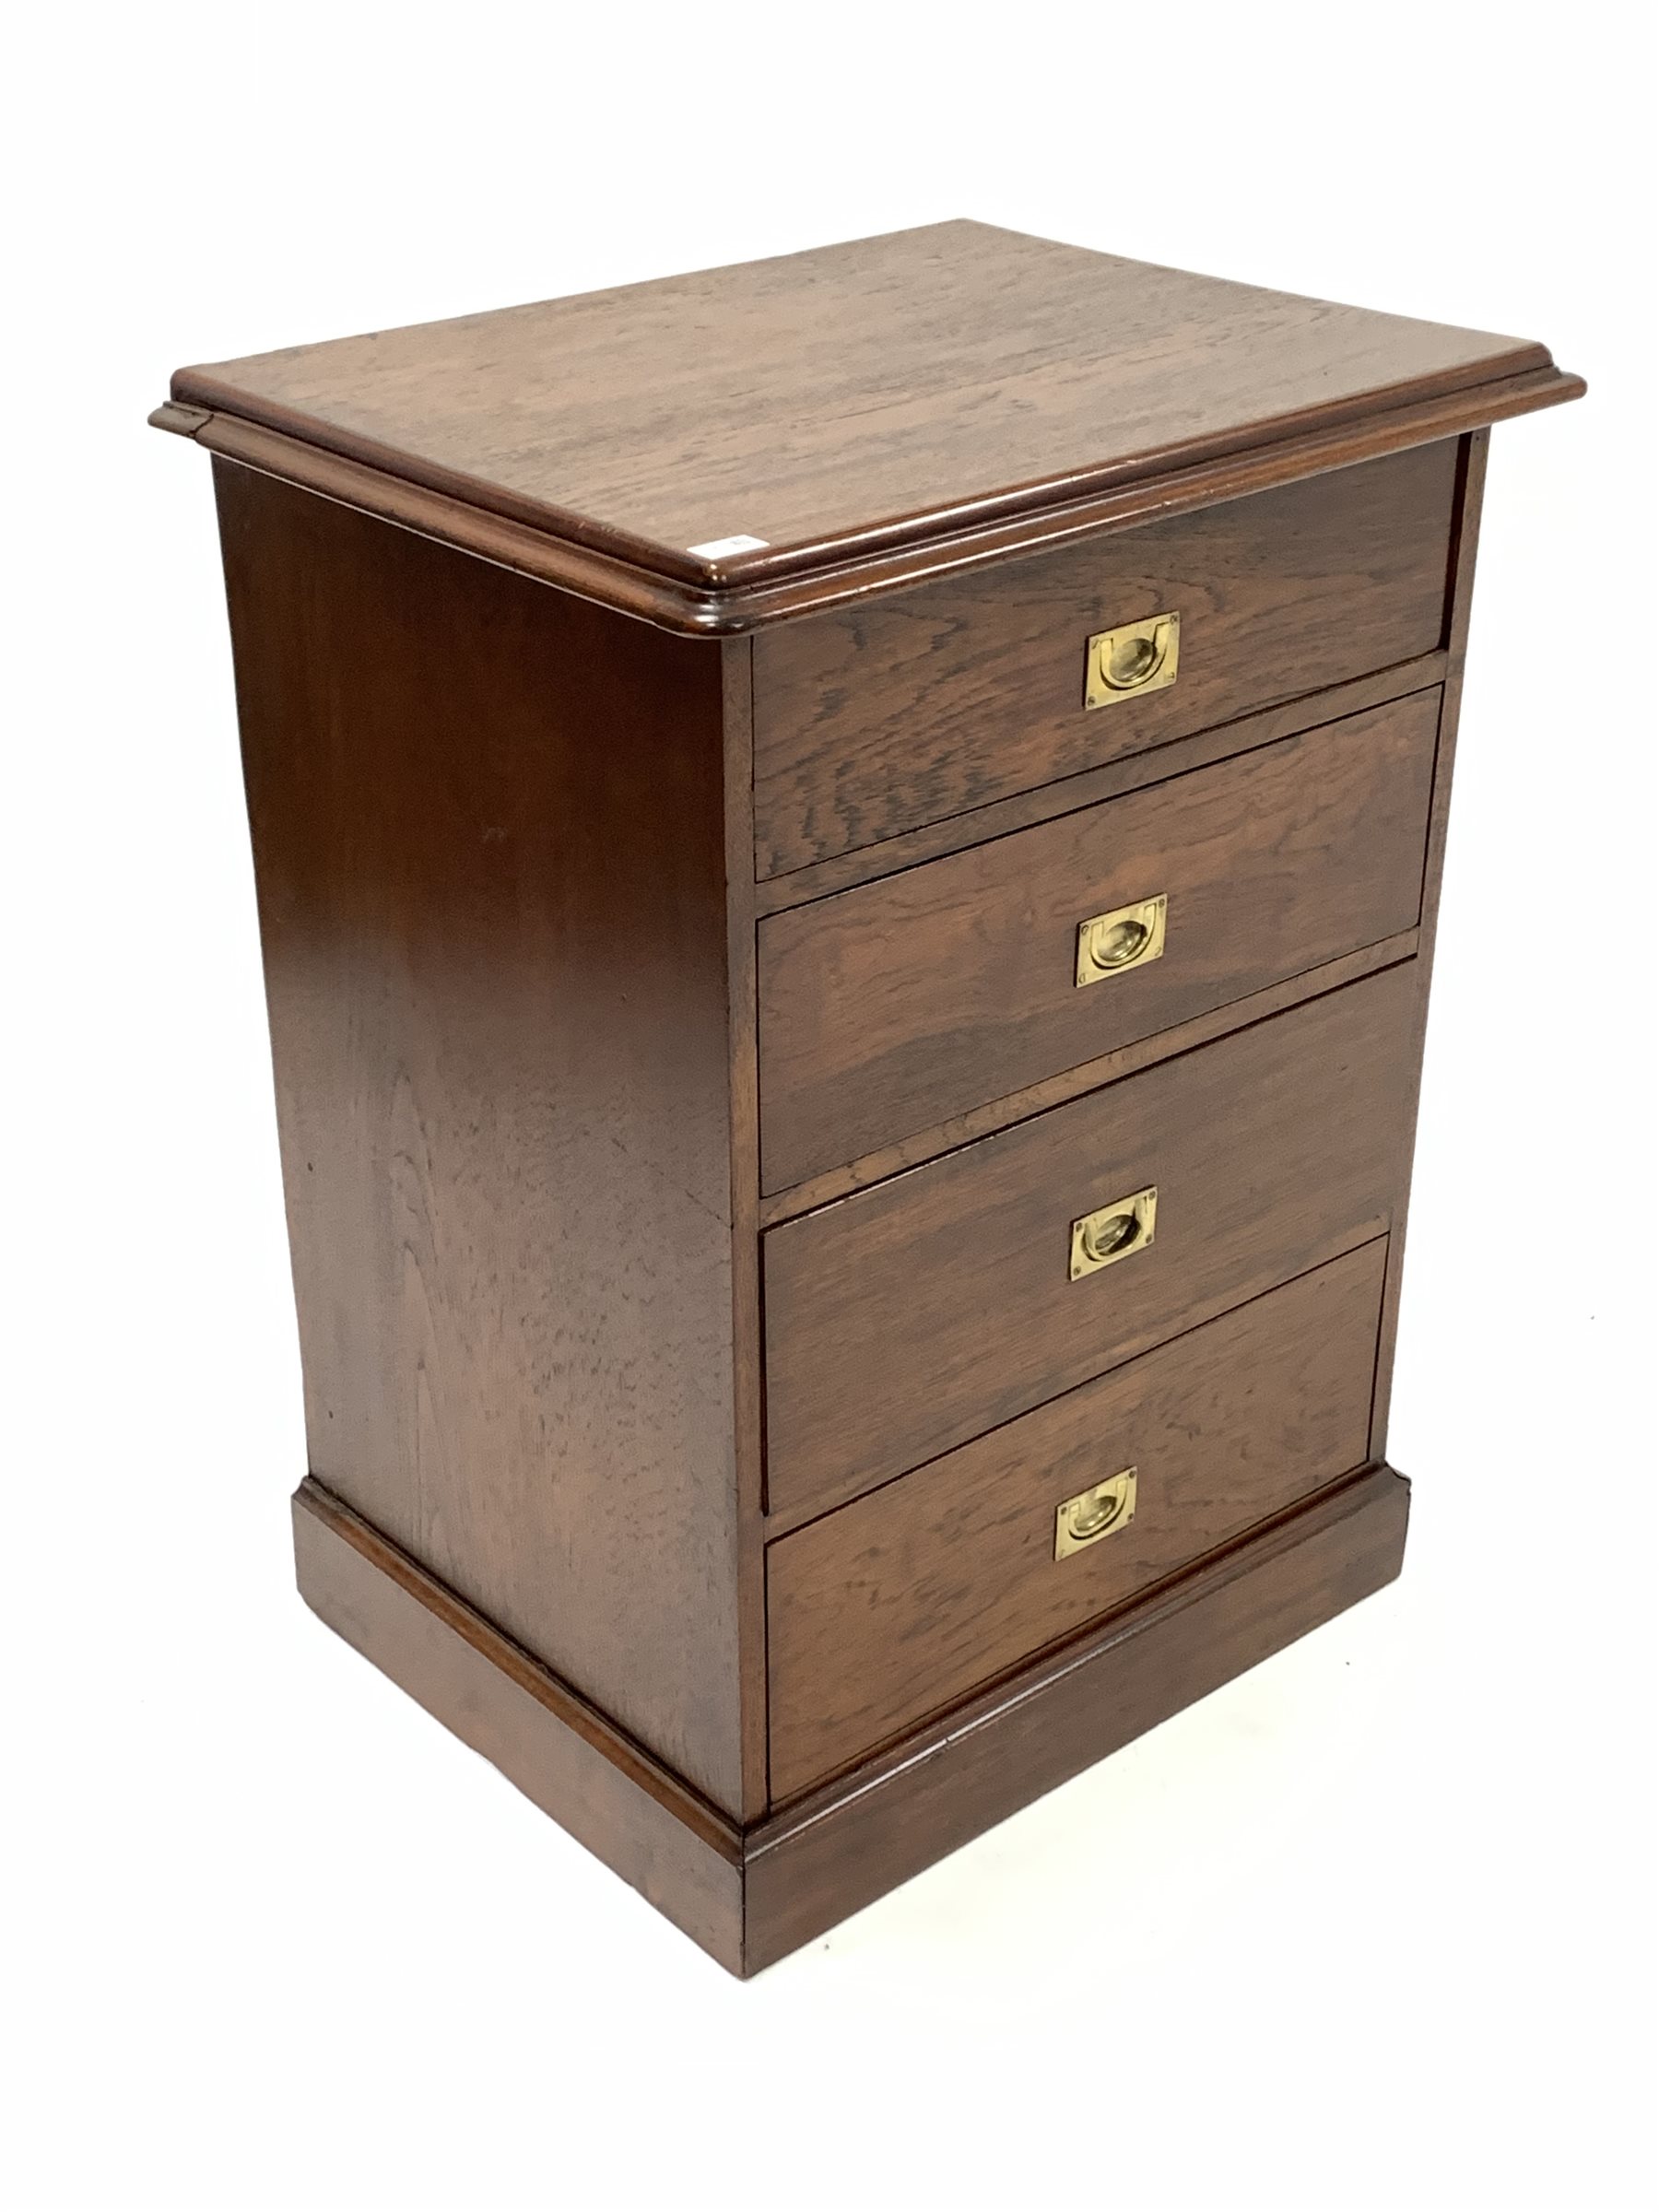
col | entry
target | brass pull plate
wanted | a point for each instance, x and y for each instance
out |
(1129, 936)
(1091, 1514)
(1113, 1232)
(1129, 662)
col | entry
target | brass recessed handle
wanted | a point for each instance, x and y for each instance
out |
(1113, 1232)
(1132, 660)
(1129, 936)
(1091, 1514)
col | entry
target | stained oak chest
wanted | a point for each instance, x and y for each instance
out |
(847, 855)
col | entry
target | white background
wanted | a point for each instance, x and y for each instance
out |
(1372, 1927)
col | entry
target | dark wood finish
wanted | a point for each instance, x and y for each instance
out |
(824, 1190)
(814, 1863)
(917, 1315)
(899, 1605)
(567, 1758)
(874, 720)
(894, 1007)
(743, 1075)
(750, 1896)
(452, 522)
(932, 381)
(488, 841)
(591, 1414)
(692, 610)
(870, 864)
(1471, 486)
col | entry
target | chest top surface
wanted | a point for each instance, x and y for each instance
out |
(785, 417)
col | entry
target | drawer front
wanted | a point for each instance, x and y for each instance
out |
(883, 1613)
(915, 1315)
(872, 720)
(891, 1007)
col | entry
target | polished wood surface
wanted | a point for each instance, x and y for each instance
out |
(488, 836)
(743, 1079)
(914, 1316)
(873, 393)
(1471, 492)
(678, 1851)
(750, 1896)
(898, 1605)
(711, 1496)
(719, 609)
(814, 1863)
(998, 1114)
(998, 817)
(874, 720)
(895, 1007)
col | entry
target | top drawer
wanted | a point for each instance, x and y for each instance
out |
(923, 705)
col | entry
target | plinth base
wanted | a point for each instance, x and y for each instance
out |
(750, 1896)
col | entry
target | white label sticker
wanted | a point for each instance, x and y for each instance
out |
(718, 547)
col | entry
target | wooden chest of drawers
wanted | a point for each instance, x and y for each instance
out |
(847, 854)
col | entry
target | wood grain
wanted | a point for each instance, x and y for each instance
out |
(996, 1114)
(1471, 492)
(487, 834)
(928, 380)
(916, 1315)
(900, 1005)
(743, 1077)
(607, 1792)
(816, 1862)
(900, 1604)
(750, 1896)
(720, 610)
(873, 720)
(1226, 741)
(561, 910)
